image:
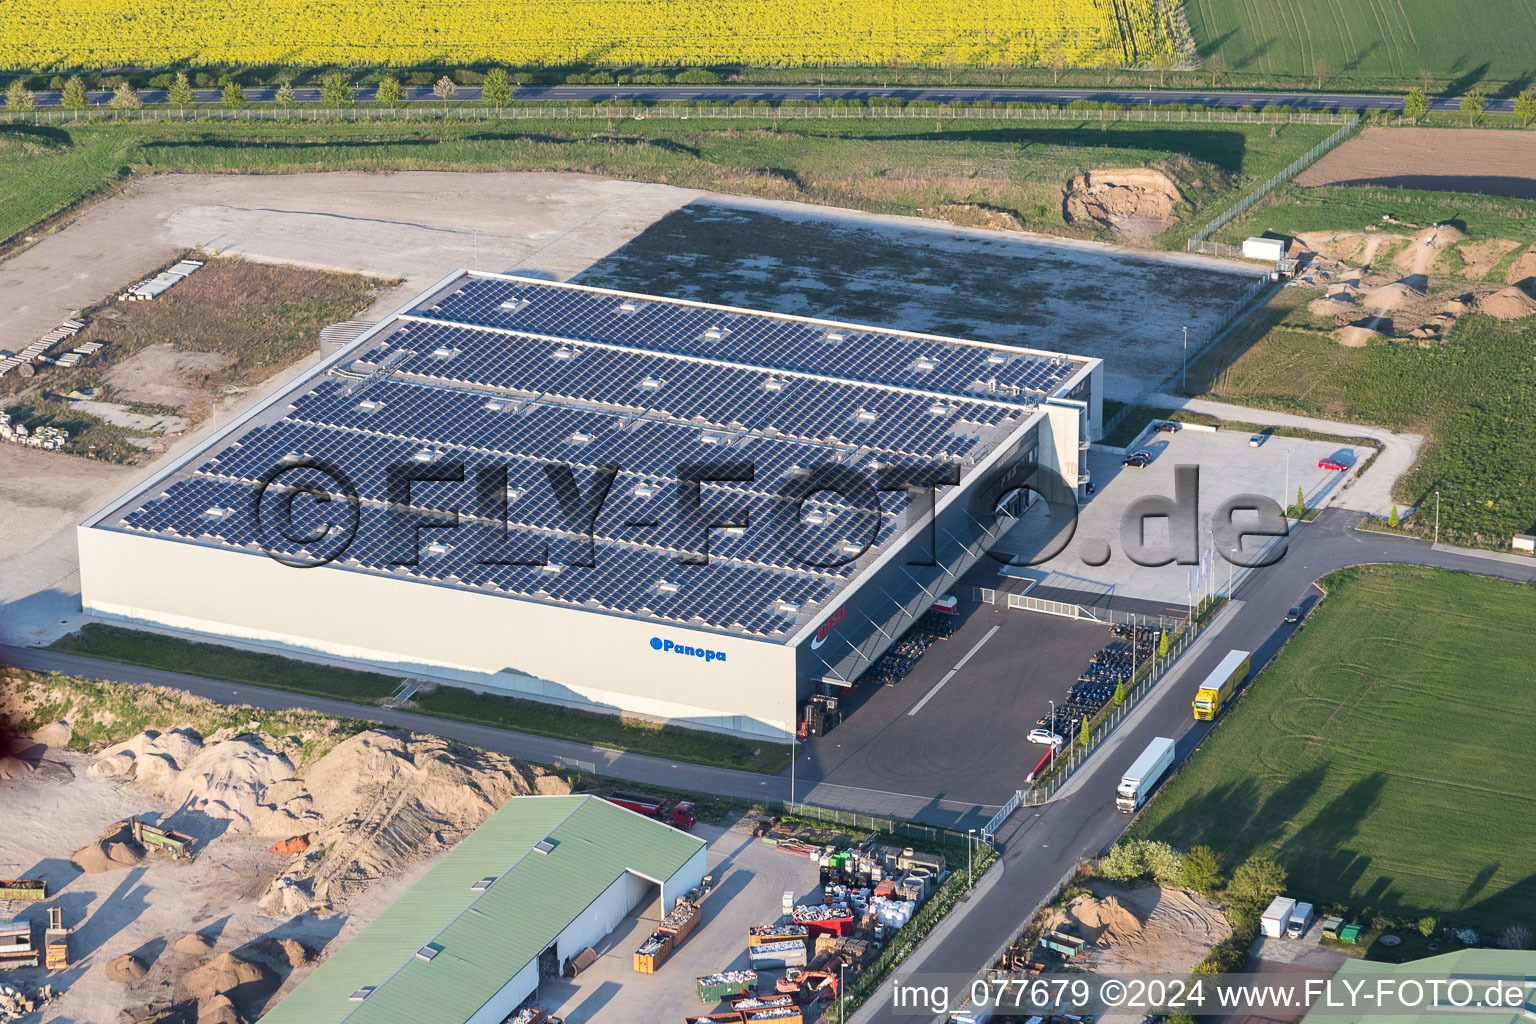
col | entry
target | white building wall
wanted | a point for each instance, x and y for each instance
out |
(512, 995)
(576, 656)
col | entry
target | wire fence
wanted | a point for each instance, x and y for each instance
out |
(598, 110)
(1198, 241)
(875, 823)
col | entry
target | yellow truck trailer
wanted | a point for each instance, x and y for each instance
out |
(1220, 685)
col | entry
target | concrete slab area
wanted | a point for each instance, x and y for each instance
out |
(1228, 467)
(750, 880)
(955, 732)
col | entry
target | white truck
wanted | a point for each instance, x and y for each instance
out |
(1139, 779)
(1277, 918)
(1301, 920)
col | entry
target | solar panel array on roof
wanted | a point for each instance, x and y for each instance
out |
(503, 375)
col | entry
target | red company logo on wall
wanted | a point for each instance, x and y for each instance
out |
(826, 628)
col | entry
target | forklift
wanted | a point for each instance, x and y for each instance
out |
(818, 716)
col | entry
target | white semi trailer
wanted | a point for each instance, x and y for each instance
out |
(1138, 781)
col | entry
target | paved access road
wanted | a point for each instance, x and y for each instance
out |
(1040, 844)
(776, 93)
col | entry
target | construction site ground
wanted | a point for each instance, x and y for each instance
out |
(751, 878)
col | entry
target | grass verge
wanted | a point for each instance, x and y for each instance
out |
(1362, 762)
(273, 671)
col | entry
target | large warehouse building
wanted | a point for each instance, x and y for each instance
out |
(500, 408)
(542, 879)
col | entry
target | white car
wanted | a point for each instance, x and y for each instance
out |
(1257, 439)
(1045, 736)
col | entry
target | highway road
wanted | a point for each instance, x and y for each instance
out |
(1038, 844)
(775, 94)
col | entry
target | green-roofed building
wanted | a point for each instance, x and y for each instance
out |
(542, 879)
(1478, 968)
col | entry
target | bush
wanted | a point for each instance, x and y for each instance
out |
(1202, 870)
(697, 76)
(1257, 880)
(1427, 926)
(1142, 858)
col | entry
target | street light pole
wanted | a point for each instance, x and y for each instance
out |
(1053, 735)
(1286, 494)
(1184, 378)
(793, 736)
(969, 845)
(1437, 517)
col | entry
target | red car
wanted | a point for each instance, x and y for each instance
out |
(1333, 464)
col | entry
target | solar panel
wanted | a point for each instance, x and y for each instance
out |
(502, 378)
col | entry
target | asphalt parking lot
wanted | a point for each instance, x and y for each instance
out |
(751, 878)
(955, 728)
(1227, 466)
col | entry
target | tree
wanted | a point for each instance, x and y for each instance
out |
(1393, 520)
(74, 94)
(125, 97)
(1120, 693)
(391, 93)
(180, 94)
(1202, 870)
(1257, 880)
(444, 90)
(1525, 105)
(1056, 60)
(1415, 104)
(1082, 733)
(1472, 105)
(1142, 858)
(1162, 63)
(1427, 926)
(1215, 65)
(1162, 644)
(19, 97)
(1516, 936)
(1300, 508)
(336, 89)
(1320, 70)
(284, 95)
(1108, 65)
(497, 88)
(233, 97)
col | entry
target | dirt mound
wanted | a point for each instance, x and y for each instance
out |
(126, 968)
(388, 799)
(114, 850)
(195, 944)
(1524, 267)
(1330, 306)
(1512, 303)
(291, 952)
(225, 975)
(1390, 296)
(218, 1010)
(240, 780)
(1459, 306)
(976, 215)
(1104, 921)
(1358, 335)
(55, 734)
(1145, 928)
(1136, 201)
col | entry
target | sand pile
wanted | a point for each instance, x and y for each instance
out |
(114, 850)
(1359, 335)
(1458, 306)
(1135, 201)
(1390, 296)
(240, 780)
(388, 799)
(225, 982)
(1330, 306)
(291, 952)
(1524, 267)
(195, 944)
(126, 968)
(1512, 303)
(1145, 928)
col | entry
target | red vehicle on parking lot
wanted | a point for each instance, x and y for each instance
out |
(1332, 464)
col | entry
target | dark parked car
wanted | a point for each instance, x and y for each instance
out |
(1167, 427)
(1137, 461)
(1294, 615)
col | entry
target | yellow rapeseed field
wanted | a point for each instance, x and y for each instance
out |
(60, 34)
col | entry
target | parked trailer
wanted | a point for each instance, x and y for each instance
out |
(1143, 774)
(777, 955)
(177, 844)
(1219, 686)
(684, 816)
(1061, 942)
(1274, 920)
(29, 890)
(761, 934)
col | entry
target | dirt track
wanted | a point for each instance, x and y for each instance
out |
(1485, 161)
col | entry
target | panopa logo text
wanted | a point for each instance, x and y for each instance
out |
(668, 647)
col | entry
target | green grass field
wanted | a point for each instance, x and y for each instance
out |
(1349, 43)
(888, 166)
(1294, 209)
(1474, 397)
(1383, 756)
(215, 661)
